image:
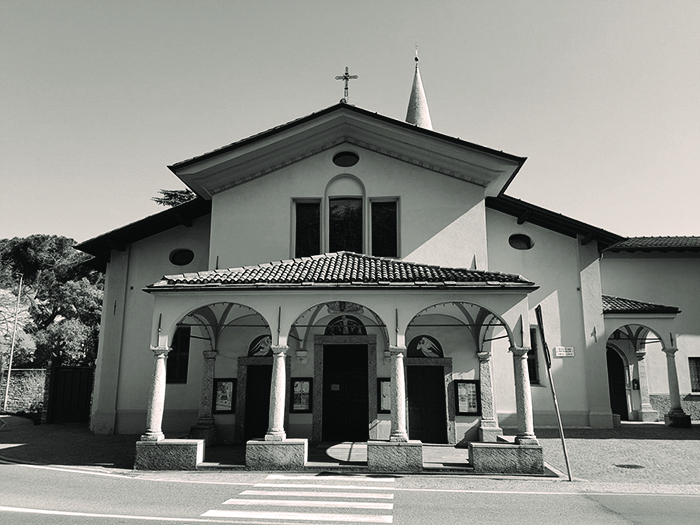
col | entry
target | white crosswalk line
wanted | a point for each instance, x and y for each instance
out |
(310, 503)
(306, 516)
(331, 478)
(313, 486)
(316, 494)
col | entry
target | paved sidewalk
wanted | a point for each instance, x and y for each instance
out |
(636, 453)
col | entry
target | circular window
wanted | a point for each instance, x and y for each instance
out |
(520, 241)
(181, 257)
(345, 159)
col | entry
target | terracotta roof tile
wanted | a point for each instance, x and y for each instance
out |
(342, 268)
(619, 305)
(648, 244)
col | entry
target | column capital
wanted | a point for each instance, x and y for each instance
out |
(519, 350)
(210, 354)
(397, 350)
(279, 349)
(670, 351)
(159, 351)
(484, 356)
(641, 354)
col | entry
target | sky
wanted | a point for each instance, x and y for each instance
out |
(97, 97)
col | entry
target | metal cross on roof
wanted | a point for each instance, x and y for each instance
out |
(347, 77)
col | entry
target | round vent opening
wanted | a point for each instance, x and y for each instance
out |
(181, 257)
(345, 159)
(520, 241)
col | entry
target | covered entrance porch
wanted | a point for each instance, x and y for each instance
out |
(339, 356)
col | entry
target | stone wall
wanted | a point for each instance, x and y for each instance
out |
(26, 392)
(689, 402)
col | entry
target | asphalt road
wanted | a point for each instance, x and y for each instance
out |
(58, 495)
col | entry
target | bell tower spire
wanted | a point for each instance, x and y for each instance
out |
(418, 113)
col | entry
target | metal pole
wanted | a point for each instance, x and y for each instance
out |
(548, 359)
(12, 347)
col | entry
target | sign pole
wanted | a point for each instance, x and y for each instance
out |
(548, 359)
(12, 347)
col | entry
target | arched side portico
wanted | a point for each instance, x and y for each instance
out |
(637, 336)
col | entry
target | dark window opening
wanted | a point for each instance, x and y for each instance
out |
(520, 241)
(384, 229)
(308, 229)
(694, 365)
(532, 360)
(345, 159)
(345, 225)
(181, 257)
(179, 356)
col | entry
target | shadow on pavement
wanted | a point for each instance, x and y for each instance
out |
(63, 444)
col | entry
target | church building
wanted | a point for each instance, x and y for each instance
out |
(348, 276)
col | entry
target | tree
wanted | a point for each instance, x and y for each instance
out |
(174, 197)
(63, 297)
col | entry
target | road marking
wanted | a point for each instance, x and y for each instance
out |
(93, 515)
(316, 486)
(310, 503)
(315, 494)
(334, 478)
(364, 518)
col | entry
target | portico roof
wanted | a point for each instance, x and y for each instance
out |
(341, 269)
(620, 305)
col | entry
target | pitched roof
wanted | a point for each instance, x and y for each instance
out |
(183, 214)
(526, 212)
(619, 305)
(345, 269)
(657, 244)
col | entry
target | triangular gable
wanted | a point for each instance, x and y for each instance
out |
(271, 150)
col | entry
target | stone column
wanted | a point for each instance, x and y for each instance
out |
(523, 397)
(156, 401)
(676, 417)
(278, 387)
(489, 429)
(647, 412)
(204, 429)
(398, 395)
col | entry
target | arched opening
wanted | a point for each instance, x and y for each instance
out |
(339, 348)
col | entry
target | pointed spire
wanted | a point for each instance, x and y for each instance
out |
(418, 113)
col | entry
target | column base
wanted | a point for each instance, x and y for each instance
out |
(205, 431)
(526, 440)
(489, 431)
(647, 413)
(677, 420)
(290, 454)
(152, 436)
(275, 436)
(395, 456)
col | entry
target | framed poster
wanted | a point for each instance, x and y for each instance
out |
(467, 397)
(384, 395)
(302, 391)
(225, 396)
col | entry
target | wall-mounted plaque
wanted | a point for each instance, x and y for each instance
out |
(224, 396)
(467, 397)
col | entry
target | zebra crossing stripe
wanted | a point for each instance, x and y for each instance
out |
(331, 478)
(313, 494)
(310, 503)
(316, 486)
(305, 516)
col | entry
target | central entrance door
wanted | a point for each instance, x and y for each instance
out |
(257, 401)
(425, 389)
(345, 393)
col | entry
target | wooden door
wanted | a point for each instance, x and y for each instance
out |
(425, 390)
(257, 401)
(345, 393)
